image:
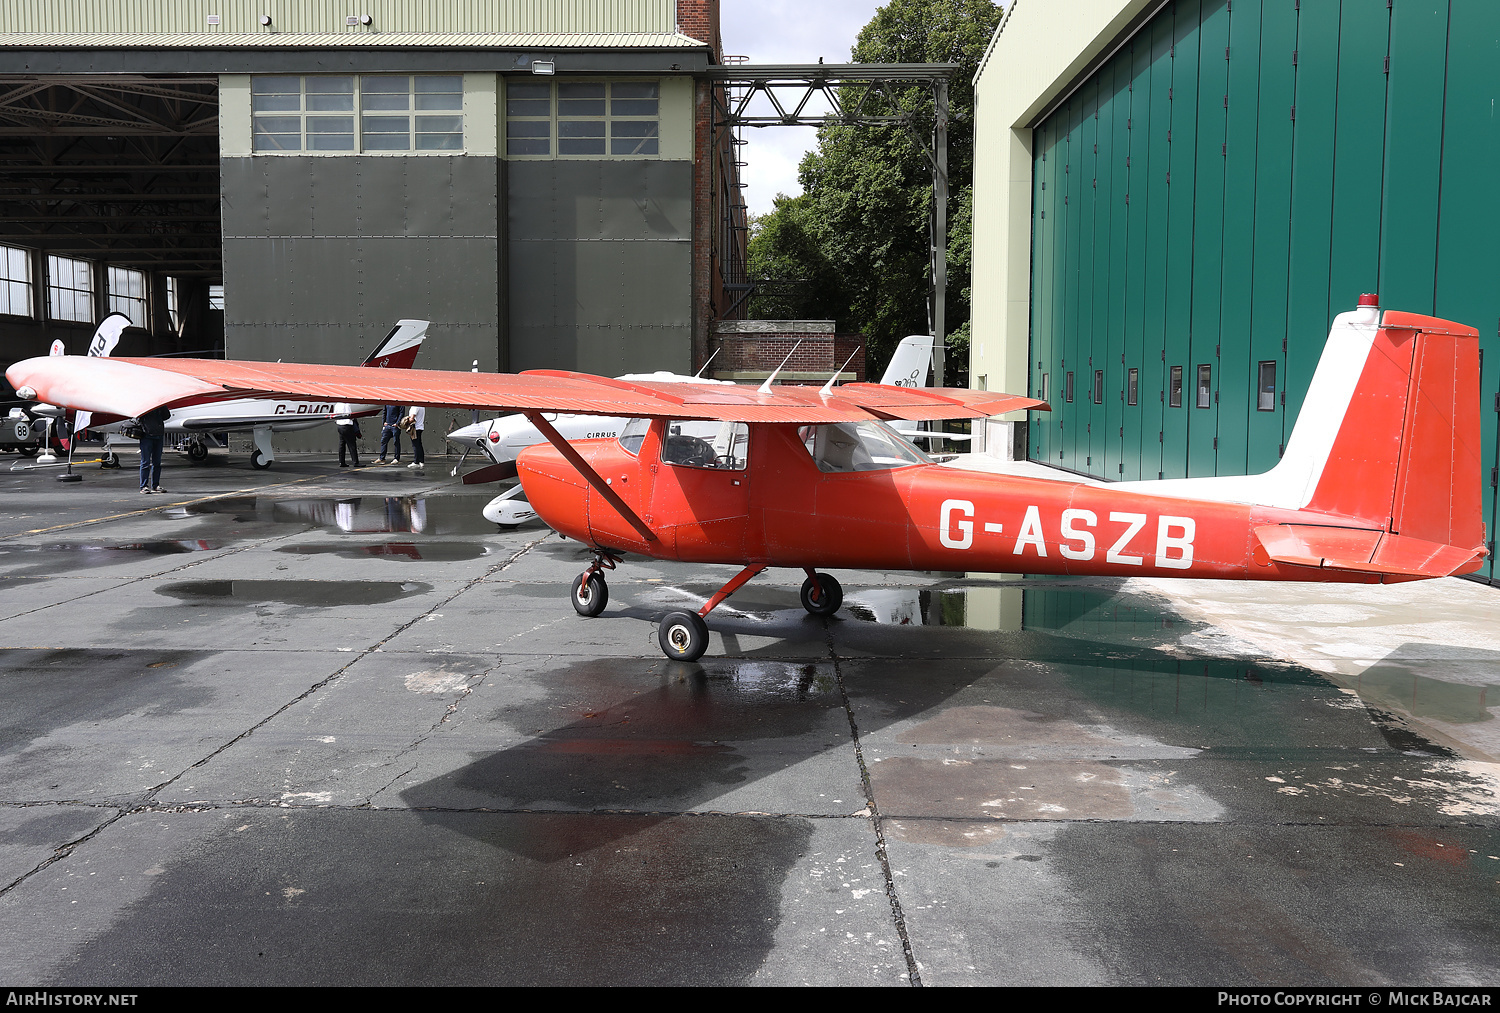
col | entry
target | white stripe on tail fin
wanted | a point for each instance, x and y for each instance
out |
(1388, 437)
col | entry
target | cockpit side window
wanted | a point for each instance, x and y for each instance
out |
(859, 446)
(694, 443)
(633, 434)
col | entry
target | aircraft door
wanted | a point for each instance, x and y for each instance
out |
(700, 499)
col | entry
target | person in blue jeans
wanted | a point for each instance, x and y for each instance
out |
(390, 429)
(153, 435)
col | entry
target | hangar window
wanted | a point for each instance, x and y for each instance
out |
(1098, 386)
(127, 293)
(1133, 386)
(1068, 387)
(582, 118)
(1175, 393)
(15, 281)
(422, 112)
(70, 289)
(1265, 400)
(1205, 386)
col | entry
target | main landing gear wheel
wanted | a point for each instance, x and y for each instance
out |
(683, 636)
(829, 599)
(590, 594)
(109, 459)
(197, 452)
(257, 462)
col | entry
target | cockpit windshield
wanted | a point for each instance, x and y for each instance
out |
(859, 446)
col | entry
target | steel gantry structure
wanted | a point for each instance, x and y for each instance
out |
(856, 93)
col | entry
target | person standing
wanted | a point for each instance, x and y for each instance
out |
(415, 423)
(348, 427)
(153, 435)
(390, 429)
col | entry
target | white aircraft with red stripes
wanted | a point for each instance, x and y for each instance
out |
(1380, 481)
(258, 416)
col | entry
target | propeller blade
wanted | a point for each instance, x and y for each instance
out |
(491, 473)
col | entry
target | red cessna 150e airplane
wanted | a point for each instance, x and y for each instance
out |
(1379, 482)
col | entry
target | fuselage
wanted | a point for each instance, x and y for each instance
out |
(781, 509)
(246, 413)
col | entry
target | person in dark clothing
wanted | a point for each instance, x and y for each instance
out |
(348, 427)
(153, 435)
(390, 429)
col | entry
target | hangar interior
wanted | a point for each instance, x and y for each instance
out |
(109, 191)
(1211, 182)
(278, 180)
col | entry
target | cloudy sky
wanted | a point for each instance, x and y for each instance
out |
(786, 31)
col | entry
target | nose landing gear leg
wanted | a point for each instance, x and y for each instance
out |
(590, 592)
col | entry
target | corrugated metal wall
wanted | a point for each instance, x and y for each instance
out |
(1233, 177)
(239, 16)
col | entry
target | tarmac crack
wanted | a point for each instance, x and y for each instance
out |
(913, 972)
(230, 551)
(146, 800)
(339, 672)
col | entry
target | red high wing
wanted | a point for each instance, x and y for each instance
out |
(550, 391)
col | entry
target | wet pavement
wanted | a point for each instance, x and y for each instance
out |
(307, 726)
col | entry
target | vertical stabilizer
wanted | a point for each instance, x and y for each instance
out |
(398, 350)
(910, 363)
(1406, 454)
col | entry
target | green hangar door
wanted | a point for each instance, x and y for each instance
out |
(1233, 176)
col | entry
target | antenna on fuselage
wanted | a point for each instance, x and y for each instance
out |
(710, 359)
(827, 388)
(765, 388)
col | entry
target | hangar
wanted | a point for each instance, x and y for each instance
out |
(286, 178)
(1173, 199)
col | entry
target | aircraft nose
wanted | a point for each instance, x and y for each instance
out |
(469, 433)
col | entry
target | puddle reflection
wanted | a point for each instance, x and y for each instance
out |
(459, 515)
(315, 593)
(438, 552)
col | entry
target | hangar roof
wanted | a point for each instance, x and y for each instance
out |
(328, 40)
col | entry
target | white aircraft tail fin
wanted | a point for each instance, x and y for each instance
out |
(398, 350)
(58, 348)
(911, 363)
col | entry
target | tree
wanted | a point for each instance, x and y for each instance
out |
(858, 234)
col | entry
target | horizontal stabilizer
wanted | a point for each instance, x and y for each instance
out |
(1365, 551)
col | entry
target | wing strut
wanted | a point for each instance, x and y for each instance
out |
(590, 475)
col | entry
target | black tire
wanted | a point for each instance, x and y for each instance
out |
(26, 451)
(110, 459)
(683, 636)
(829, 601)
(589, 597)
(257, 462)
(197, 452)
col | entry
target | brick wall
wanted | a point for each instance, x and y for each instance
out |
(748, 350)
(700, 20)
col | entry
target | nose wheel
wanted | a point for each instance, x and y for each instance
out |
(590, 594)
